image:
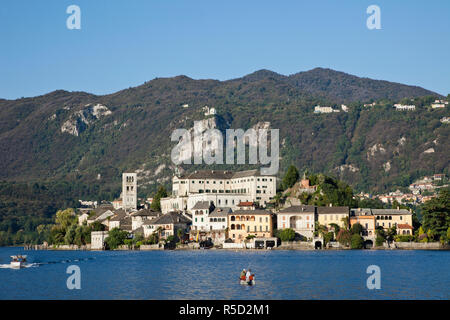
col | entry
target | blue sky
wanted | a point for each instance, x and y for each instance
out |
(125, 43)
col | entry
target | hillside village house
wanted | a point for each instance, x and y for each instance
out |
(166, 225)
(329, 215)
(319, 109)
(101, 214)
(216, 228)
(139, 217)
(200, 215)
(242, 223)
(300, 218)
(222, 188)
(402, 107)
(117, 218)
(439, 104)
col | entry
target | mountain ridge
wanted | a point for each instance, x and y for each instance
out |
(62, 135)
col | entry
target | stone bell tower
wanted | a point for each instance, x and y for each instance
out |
(129, 191)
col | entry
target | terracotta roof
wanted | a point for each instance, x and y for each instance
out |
(246, 204)
(404, 226)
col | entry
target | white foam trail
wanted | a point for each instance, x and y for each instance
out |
(28, 265)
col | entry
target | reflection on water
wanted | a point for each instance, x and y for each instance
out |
(211, 274)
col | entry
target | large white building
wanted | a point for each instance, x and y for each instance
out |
(129, 191)
(221, 188)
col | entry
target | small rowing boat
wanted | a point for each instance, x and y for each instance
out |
(249, 283)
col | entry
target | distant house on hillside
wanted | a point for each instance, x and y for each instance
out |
(209, 111)
(403, 107)
(439, 104)
(319, 109)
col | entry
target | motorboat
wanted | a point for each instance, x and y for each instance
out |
(18, 261)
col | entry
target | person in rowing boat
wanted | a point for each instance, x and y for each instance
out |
(243, 273)
(248, 275)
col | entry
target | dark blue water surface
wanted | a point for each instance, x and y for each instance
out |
(213, 274)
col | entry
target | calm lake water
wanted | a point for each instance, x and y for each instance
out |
(213, 275)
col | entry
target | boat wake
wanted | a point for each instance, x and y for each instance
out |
(27, 265)
(38, 264)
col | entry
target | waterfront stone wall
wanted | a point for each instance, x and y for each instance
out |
(420, 246)
(296, 245)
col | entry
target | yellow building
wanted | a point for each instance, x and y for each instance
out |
(242, 223)
(388, 218)
(330, 215)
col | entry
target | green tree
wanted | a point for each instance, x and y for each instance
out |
(287, 234)
(180, 234)
(391, 233)
(69, 237)
(97, 226)
(356, 228)
(436, 215)
(336, 228)
(344, 237)
(357, 241)
(381, 236)
(116, 237)
(156, 203)
(291, 177)
(65, 218)
(327, 238)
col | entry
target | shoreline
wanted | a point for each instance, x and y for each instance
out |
(433, 246)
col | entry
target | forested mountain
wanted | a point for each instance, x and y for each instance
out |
(87, 138)
(64, 146)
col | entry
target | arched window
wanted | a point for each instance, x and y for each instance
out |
(247, 218)
(252, 218)
(237, 218)
(232, 227)
(232, 218)
(390, 217)
(242, 218)
(242, 227)
(238, 227)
